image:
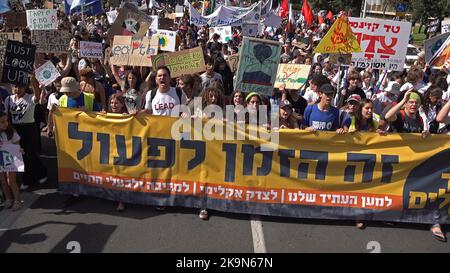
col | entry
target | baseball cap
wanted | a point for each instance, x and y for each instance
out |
(354, 97)
(326, 89)
(69, 84)
(285, 103)
(393, 87)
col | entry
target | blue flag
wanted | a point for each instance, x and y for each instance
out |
(90, 7)
(4, 7)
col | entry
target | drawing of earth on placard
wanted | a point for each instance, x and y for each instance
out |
(260, 73)
(47, 74)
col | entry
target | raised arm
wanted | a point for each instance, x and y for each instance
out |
(443, 116)
(391, 115)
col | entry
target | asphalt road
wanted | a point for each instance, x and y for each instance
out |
(49, 224)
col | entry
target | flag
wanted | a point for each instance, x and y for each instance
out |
(330, 16)
(290, 27)
(320, 19)
(307, 13)
(284, 9)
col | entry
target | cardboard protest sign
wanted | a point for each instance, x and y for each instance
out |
(167, 40)
(155, 22)
(258, 65)
(225, 33)
(181, 62)
(233, 61)
(445, 26)
(339, 39)
(16, 19)
(127, 50)
(51, 41)
(432, 45)
(47, 73)
(4, 37)
(11, 159)
(383, 43)
(91, 50)
(292, 75)
(165, 23)
(42, 19)
(130, 22)
(18, 62)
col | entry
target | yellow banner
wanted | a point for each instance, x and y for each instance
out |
(399, 177)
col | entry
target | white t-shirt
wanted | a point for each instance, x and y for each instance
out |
(4, 138)
(21, 110)
(52, 101)
(311, 96)
(420, 87)
(163, 103)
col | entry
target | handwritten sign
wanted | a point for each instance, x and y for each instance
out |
(18, 62)
(225, 33)
(445, 26)
(181, 62)
(47, 73)
(42, 19)
(112, 16)
(4, 37)
(51, 41)
(293, 75)
(167, 40)
(233, 61)
(383, 43)
(11, 159)
(127, 50)
(130, 22)
(91, 50)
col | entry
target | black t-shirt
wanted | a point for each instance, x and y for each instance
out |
(299, 106)
(357, 90)
(405, 124)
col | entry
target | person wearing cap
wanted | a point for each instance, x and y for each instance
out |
(300, 56)
(73, 97)
(387, 97)
(404, 116)
(322, 116)
(286, 117)
(350, 108)
(297, 102)
(353, 81)
(20, 107)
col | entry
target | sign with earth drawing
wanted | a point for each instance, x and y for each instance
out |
(47, 73)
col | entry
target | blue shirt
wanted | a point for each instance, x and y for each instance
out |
(75, 103)
(321, 120)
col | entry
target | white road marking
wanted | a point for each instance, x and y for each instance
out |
(259, 245)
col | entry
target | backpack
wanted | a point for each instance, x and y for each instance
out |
(402, 113)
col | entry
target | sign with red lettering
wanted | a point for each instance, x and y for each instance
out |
(383, 42)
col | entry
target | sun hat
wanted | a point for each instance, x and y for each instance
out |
(69, 84)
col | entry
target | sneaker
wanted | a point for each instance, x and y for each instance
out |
(24, 187)
(160, 208)
(43, 180)
(203, 214)
(17, 205)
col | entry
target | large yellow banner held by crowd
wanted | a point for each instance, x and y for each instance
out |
(399, 177)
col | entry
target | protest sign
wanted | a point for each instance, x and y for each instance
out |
(16, 19)
(135, 51)
(226, 16)
(18, 62)
(258, 65)
(90, 7)
(432, 45)
(91, 50)
(433, 26)
(155, 22)
(42, 19)
(225, 33)
(339, 39)
(389, 178)
(112, 16)
(293, 76)
(249, 29)
(130, 22)
(445, 26)
(167, 40)
(11, 159)
(187, 61)
(383, 43)
(47, 73)
(442, 56)
(165, 23)
(51, 41)
(4, 37)
(233, 61)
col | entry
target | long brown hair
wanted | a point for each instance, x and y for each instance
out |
(9, 130)
(359, 118)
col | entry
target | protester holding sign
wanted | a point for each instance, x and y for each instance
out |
(8, 179)
(20, 108)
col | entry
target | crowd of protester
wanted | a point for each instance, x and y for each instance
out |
(343, 99)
